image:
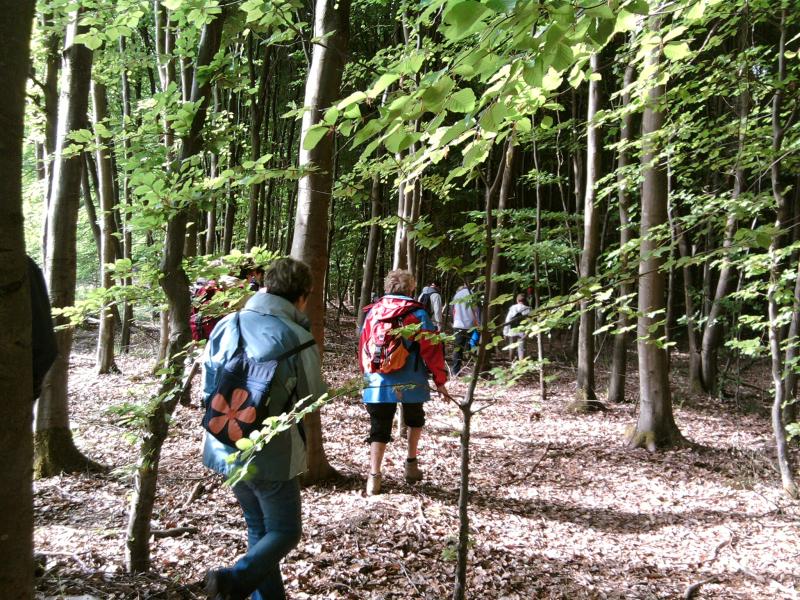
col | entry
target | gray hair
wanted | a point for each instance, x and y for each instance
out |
(288, 278)
(400, 282)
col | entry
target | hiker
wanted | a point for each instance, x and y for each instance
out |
(513, 320)
(465, 319)
(44, 348)
(431, 300)
(396, 370)
(271, 324)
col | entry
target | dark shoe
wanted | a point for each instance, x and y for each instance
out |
(213, 586)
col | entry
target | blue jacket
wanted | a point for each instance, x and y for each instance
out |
(270, 325)
(410, 383)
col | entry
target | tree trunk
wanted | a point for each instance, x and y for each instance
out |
(55, 451)
(537, 239)
(257, 112)
(310, 241)
(127, 236)
(782, 222)
(105, 337)
(656, 427)
(16, 443)
(88, 204)
(585, 397)
(714, 331)
(502, 205)
(368, 279)
(616, 383)
(176, 288)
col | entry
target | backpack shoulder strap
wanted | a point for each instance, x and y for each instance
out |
(296, 350)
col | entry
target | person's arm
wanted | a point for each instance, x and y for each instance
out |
(436, 305)
(431, 350)
(309, 375)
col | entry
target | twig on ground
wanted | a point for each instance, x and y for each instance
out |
(692, 589)
(73, 555)
(197, 490)
(717, 549)
(174, 532)
(414, 585)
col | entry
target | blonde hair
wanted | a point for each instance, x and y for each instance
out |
(400, 282)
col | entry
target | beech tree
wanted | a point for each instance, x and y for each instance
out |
(55, 449)
(16, 440)
(656, 426)
(310, 241)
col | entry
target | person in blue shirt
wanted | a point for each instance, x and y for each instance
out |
(271, 323)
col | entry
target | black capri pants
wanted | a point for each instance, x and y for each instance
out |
(381, 415)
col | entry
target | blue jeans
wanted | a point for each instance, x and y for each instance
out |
(272, 513)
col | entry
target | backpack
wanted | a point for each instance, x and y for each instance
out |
(200, 325)
(239, 404)
(380, 351)
(425, 301)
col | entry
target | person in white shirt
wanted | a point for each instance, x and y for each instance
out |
(431, 299)
(465, 319)
(513, 320)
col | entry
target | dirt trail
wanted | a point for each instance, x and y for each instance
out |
(560, 508)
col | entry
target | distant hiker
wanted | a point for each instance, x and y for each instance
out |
(271, 324)
(396, 370)
(511, 330)
(465, 319)
(252, 276)
(431, 300)
(43, 339)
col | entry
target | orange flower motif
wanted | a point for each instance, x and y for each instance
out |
(231, 414)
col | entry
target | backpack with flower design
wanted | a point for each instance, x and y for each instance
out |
(239, 405)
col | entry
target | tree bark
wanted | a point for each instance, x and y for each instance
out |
(368, 279)
(310, 241)
(502, 205)
(16, 378)
(585, 396)
(619, 363)
(176, 288)
(714, 331)
(55, 451)
(782, 222)
(656, 428)
(105, 338)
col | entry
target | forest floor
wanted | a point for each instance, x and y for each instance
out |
(559, 507)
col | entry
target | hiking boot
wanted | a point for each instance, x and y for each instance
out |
(215, 586)
(413, 472)
(374, 485)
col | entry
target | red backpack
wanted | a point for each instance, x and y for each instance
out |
(379, 350)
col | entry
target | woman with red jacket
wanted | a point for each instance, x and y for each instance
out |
(396, 368)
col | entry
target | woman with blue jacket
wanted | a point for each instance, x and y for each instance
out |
(270, 324)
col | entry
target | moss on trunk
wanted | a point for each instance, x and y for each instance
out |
(54, 453)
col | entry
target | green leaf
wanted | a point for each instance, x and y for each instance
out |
(314, 135)
(677, 50)
(384, 81)
(351, 99)
(626, 21)
(463, 101)
(91, 40)
(244, 443)
(552, 80)
(464, 18)
(172, 4)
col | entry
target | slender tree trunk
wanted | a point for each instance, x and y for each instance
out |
(367, 281)
(537, 240)
(502, 205)
(55, 451)
(619, 363)
(176, 288)
(16, 378)
(88, 204)
(585, 397)
(310, 241)
(782, 222)
(127, 236)
(105, 337)
(714, 331)
(656, 426)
